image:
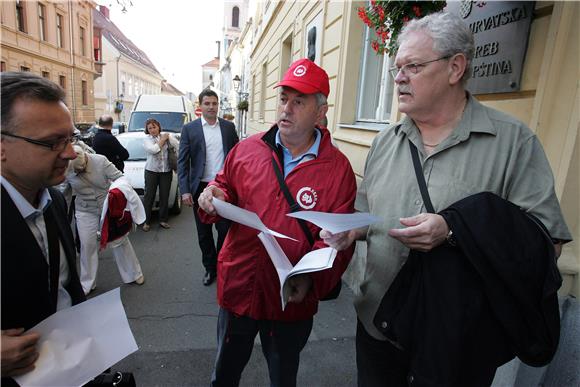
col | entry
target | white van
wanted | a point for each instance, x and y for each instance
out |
(171, 111)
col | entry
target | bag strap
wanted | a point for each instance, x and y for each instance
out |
(293, 205)
(421, 178)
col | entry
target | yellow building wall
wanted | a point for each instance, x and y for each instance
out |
(26, 49)
(548, 100)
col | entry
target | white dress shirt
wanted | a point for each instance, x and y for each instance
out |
(214, 150)
(157, 157)
(35, 220)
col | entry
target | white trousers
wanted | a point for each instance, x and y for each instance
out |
(127, 262)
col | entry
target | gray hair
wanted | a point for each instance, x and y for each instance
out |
(449, 33)
(25, 85)
(321, 99)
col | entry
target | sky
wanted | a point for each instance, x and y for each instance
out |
(177, 35)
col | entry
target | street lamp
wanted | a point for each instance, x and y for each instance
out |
(242, 104)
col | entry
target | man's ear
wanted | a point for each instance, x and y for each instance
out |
(2, 153)
(322, 110)
(457, 67)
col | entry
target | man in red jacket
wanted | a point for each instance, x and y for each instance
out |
(320, 178)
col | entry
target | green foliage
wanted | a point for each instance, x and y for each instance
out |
(387, 18)
(243, 105)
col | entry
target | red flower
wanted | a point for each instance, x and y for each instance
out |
(375, 45)
(405, 19)
(417, 10)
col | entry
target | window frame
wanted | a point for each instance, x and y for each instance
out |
(42, 22)
(369, 73)
(82, 32)
(60, 30)
(21, 16)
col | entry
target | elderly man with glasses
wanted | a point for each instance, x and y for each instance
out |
(39, 273)
(464, 148)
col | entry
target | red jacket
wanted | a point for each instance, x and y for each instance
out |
(247, 281)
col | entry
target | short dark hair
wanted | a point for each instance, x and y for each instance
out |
(152, 121)
(25, 85)
(207, 93)
(106, 120)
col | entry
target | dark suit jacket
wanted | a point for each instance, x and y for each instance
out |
(191, 162)
(26, 298)
(107, 145)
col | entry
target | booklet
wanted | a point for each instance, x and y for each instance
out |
(315, 260)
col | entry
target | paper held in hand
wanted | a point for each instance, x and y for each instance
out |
(315, 260)
(336, 223)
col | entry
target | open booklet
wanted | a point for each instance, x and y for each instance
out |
(315, 260)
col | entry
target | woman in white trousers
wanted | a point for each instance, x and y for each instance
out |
(90, 177)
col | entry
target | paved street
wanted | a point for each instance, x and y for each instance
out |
(173, 318)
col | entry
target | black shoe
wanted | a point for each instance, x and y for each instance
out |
(208, 278)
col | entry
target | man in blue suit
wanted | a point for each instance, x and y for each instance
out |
(203, 147)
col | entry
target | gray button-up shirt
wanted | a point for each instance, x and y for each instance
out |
(488, 151)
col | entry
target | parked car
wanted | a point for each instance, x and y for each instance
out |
(118, 128)
(87, 131)
(171, 111)
(135, 170)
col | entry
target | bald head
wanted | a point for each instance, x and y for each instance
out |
(106, 121)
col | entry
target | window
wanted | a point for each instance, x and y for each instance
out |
(376, 86)
(263, 91)
(2, 66)
(59, 30)
(42, 21)
(46, 74)
(84, 93)
(97, 45)
(20, 16)
(24, 68)
(82, 41)
(62, 81)
(235, 17)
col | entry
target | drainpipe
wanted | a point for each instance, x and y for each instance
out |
(118, 81)
(72, 60)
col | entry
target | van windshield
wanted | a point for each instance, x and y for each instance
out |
(170, 121)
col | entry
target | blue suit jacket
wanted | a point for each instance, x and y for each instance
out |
(191, 161)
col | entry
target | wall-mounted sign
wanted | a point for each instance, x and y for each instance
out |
(501, 30)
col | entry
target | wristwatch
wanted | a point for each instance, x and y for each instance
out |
(450, 238)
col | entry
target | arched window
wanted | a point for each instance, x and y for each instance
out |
(235, 17)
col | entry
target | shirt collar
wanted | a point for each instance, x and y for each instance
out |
(475, 119)
(313, 150)
(26, 209)
(205, 123)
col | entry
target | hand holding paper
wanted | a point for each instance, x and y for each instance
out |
(242, 216)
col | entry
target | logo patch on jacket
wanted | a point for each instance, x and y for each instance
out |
(306, 198)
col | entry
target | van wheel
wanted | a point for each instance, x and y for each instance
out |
(176, 209)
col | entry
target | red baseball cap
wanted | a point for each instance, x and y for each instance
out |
(306, 77)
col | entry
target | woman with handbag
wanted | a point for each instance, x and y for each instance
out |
(158, 171)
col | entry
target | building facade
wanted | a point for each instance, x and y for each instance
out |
(53, 39)
(126, 70)
(361, 101)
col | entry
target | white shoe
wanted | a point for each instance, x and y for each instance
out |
(140, 280)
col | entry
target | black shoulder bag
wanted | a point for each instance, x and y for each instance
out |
(334, 293)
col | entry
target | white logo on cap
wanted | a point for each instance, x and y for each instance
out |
(299, 71)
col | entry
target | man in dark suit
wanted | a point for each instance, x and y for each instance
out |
(203, 147)
(39, 273)
(107, 145)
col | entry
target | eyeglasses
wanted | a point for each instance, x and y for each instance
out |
(412, 68)
(57, 146)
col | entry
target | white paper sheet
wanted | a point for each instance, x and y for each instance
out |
(315, 260)
(336, 223)
(78, 343)
(242, 216)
